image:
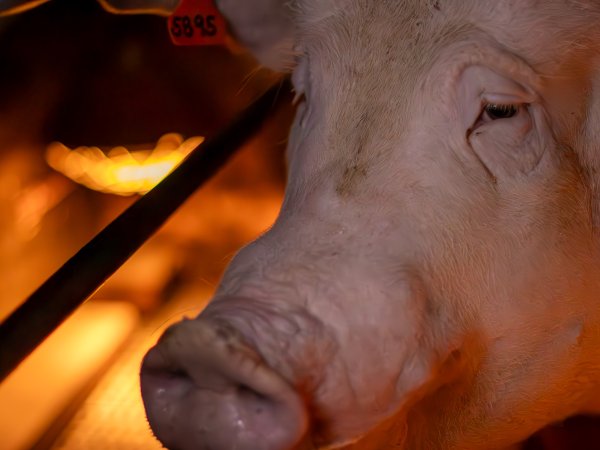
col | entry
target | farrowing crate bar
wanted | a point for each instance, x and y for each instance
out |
(69, 287)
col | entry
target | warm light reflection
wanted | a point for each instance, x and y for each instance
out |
(35, 201)
(56, 373)
(121, 171)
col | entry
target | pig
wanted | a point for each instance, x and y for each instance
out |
(433, 278)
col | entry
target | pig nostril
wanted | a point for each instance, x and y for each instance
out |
(256, 402)
(246, 392)
(176, 374)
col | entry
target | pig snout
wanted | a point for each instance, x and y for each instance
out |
(250, 374)
(205, 388)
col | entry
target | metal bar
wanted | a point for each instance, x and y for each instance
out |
(85, 272)
(8, 7)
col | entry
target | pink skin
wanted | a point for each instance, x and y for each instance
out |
(192, 394)
(432, 280)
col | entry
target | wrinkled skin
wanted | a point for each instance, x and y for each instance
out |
(432, 281)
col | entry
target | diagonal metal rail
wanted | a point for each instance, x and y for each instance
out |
(56, 299)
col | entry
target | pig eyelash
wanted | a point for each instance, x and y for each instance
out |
(302, 110)
(495, 111)
(492, 112)
(298, 98)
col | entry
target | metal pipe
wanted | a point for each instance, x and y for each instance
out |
(9, 7)
(156, 7)
(84, 273)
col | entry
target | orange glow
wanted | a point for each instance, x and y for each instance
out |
(121, 171)
(34, 202)
(48, 381)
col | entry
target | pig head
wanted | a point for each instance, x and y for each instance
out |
(433, 278)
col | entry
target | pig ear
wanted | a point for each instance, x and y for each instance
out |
(265, 27)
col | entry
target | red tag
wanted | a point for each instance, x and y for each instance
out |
(197, 22)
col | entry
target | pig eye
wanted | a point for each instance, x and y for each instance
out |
(495, 111)
(515, 115)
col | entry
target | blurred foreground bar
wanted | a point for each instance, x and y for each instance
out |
(84, 273)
